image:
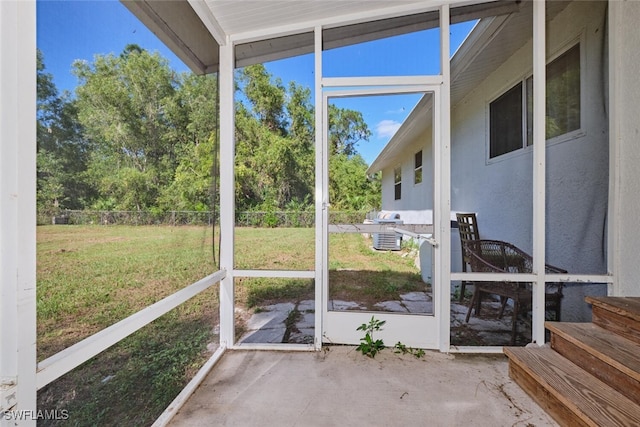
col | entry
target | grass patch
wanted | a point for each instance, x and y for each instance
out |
(134, 381)
(359, 273)
(275, 248)
(90, 277)
(256, 292)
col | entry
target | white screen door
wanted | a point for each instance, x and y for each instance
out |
(369, 264)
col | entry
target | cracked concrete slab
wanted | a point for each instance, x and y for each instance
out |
(340, 387)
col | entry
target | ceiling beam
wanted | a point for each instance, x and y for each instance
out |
(178, 26)
(209, 20)
(299, 44)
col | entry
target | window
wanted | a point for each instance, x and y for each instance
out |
(397, 179)
(511, 119)
(417, 171)
(505, 122)
(563, 94)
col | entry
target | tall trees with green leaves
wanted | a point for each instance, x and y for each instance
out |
(269, 155)
(62, 149)
(139, 137)
(194, 112)
(275, 148)
(122, 103)
(349, 186)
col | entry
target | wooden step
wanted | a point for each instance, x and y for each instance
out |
(611, 358)
(617, 314)
(568, 393)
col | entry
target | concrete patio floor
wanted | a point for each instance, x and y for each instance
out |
(340, 387)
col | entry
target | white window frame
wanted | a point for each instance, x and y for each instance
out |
(397, 173)
(418, 170)
(526, 144)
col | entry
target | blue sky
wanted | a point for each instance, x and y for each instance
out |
(80, 29)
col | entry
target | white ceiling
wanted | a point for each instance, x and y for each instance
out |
(253, 18)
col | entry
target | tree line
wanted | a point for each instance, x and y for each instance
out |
(138, 136)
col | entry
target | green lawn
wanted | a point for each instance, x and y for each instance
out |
(90, 277)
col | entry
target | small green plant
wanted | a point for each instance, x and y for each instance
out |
(403, 349)
(368, 345)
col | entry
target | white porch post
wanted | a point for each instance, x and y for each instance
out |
(539, 166)
(18, 209)
(227, 193)
(442, 193)
(624, 149)
(616, 47)
(321, 236)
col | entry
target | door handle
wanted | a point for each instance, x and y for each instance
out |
(429, 240)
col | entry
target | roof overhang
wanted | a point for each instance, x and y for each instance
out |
(492, 41)
(275, 29)
(179, 27)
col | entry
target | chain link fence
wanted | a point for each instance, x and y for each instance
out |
(176, 218)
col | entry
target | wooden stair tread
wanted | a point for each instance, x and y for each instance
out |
(589, 399)
(612, 349)
(624, 306)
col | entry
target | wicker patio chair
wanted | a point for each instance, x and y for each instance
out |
(494, 256)
(468, 230)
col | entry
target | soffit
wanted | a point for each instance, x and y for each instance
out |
(253, 18)
(179, 27)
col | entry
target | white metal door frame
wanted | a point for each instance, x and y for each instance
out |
(440, 85)
(419, 331)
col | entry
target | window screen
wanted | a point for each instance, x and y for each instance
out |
(505, 122)
(397, 178)
(563, 93)
(417, 174)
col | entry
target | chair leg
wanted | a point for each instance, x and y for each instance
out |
(478, 303)
(514, 325)
(503, 300)
(463, 285)
(472, 303)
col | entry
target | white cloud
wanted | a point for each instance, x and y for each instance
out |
(398, 111)
(387, 128)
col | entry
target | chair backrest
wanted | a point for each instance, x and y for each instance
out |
(497, 257)
(501, 257)
(467, 227)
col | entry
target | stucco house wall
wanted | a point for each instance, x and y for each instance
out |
(499, 190)
(414, 196)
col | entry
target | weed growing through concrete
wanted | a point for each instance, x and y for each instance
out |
(403, 349)
(368, 345)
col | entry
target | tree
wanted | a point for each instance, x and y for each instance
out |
(265, 97)
(62, 150)
(349, 186)
(122, 104)
(194, 112)
(275, 140)
(346, 129)
(139, 137)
